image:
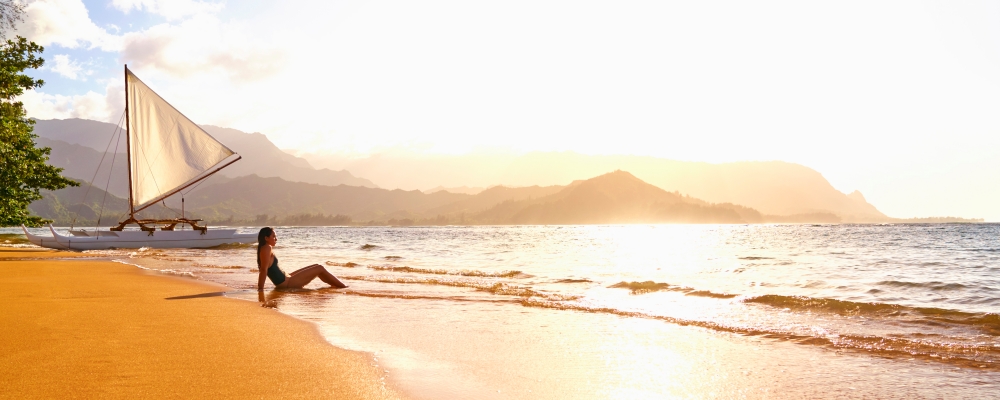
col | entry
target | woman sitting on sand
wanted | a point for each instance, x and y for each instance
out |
(267, 263)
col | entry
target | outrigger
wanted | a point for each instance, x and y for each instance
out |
(167, 153)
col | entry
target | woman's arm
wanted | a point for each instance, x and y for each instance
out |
(265, 259)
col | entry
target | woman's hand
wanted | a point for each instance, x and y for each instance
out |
(264, 301)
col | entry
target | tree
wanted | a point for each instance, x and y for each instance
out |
(23, 168)
(11, 11)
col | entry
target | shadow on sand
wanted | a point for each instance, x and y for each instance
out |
(196, 296)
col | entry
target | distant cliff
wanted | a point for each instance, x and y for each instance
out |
(615, 198)
(772, 187)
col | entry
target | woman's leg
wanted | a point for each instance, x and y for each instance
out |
(302, 277)
(305, 269)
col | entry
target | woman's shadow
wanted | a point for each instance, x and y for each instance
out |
(268, 299)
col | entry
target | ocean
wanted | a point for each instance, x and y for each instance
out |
(643, 311)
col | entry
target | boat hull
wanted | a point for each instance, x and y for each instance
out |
(138, 239)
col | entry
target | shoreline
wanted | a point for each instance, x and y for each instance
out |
(97, 328)
(438, 340)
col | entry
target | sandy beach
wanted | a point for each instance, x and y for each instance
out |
(99, 329)
(78, 325)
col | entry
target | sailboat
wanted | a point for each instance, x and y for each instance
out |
(167, 153)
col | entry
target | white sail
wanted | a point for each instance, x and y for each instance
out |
(168, 151)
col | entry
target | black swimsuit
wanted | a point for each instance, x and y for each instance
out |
(276, 274)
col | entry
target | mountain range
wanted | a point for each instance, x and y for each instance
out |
(773, 187)
(80, 145)
(614, 198)
(270, 185)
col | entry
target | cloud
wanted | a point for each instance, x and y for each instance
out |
(169, 9)
(201, 45)
(67, 68)
(105, 107)
(65, 23)
(684, 80)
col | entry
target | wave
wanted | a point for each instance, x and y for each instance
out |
(984, 354)
(233, 246)
(988, 322)
(935, 285)
(409, 269)
(574, 281)
(706, 293)
(756, 258)
(977, 355)
(464, 272)
(19, 245)
(830, 305)
(650, 286)
(346, 264)
(186, 274)
(415, 297)
(641, 287)
(13, 239)
(497, 288)
(429, 271)
(220, 266)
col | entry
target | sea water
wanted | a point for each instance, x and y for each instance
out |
(643, 311)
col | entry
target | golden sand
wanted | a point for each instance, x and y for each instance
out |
(34, 253)
(89, 328)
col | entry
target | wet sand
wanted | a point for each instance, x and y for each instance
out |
(93, 328)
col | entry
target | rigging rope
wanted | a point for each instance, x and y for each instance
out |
(192, 189)
(185, 193)
(108, 184)
(164, 204)
(77, 213)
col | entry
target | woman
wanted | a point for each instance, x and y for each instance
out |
(267, 263)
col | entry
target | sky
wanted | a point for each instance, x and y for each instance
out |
(897, 99)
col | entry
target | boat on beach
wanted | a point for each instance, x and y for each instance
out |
(167, 153)
(134, 239)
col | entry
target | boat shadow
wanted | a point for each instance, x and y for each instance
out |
(196, 296)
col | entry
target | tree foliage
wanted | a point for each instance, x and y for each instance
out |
(23, 168)
(11, 11)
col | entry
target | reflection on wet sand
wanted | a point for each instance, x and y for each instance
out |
(270, 299)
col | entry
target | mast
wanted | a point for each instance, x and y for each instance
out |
(128, 150)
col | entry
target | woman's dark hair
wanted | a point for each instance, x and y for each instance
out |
(262, 236)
